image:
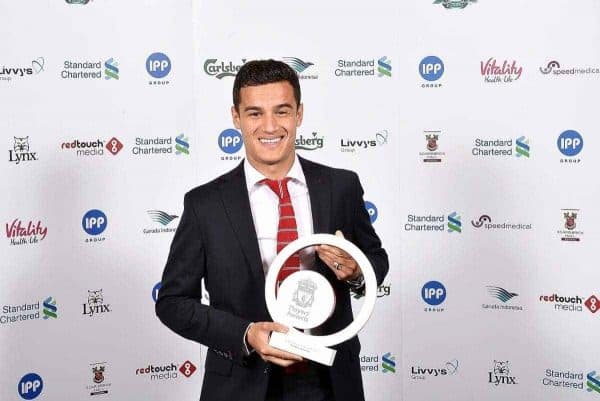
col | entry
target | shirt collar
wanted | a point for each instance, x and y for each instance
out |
(253, 176)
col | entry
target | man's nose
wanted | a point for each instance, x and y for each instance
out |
(270, 123)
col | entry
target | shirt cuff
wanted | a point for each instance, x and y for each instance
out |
(247, 349)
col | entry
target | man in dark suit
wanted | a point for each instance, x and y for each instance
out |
(229, 233)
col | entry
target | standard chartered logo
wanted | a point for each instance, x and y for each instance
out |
(182, 145)
(50, 309)
(110, 69)
(522, 148)
(384, 67)
(454, 223)
(388, 363)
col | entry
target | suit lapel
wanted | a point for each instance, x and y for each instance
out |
(234, 195)
(319, 190)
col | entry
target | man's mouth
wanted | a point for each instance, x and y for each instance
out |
(271, 141)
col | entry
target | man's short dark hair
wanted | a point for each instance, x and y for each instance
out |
(261, 72)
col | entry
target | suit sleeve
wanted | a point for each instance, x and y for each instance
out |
(364, 234)
(179, 304)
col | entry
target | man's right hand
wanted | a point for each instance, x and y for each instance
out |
(258, 338)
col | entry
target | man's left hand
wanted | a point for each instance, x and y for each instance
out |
(339, 261)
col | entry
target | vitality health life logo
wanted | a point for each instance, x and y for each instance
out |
(522, 147)
(50, 309)
(384, 67)
(454, 223)
(388, 363)
(111, 70)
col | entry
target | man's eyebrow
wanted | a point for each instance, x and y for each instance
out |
(282, 105)
(252, 108)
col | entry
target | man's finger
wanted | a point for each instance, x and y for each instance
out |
(274, 326)
(279, 354)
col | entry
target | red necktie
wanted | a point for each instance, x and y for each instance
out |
(286, 233)
(287, 230)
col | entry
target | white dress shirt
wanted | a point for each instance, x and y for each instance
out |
(264, 204)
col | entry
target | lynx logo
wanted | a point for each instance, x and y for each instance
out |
(431, 69)
(30, 386)
(501, 374)
(20, 152)
(434, 293)
(230, 141)
(570, 143)
(95, 304)
(94, 222)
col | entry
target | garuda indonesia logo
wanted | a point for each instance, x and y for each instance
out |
(500, 293)
(297, 64)
(304, 295)
(161, 217)
(454, 3)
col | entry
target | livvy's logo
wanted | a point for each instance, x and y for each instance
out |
(432, 153)
(20, 233)
(450, 4)
(420, 373)
(494, 71)
(310, 143)
(351, 145)
(221, 69)
(20, 151)
(95, 304)
(8, 73)
(500, 374)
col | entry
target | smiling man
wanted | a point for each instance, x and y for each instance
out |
(230, 232)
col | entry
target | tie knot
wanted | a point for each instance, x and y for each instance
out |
(279, 187)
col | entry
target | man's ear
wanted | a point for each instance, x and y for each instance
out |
(300, 114)
(235, 117)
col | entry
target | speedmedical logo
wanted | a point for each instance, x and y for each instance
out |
(30, 386)
(230, 142)
(431, 69)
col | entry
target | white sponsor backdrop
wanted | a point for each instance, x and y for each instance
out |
(473, 345)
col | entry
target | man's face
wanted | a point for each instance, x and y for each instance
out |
(268, 118)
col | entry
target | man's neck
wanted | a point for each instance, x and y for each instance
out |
(274, 171)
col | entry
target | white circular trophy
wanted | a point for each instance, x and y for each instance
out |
(306, 299)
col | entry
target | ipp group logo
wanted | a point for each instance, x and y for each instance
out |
(94, 222)
(30, 386)
(431, 69)
(434, 294)
(570, 144)
(230, 142)
(155, 291)
(372, 210)
(158, 66)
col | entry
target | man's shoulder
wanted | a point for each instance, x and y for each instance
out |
(334, 172)
(205, 190)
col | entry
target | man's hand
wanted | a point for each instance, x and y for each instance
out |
(342, 264)
(258, 339)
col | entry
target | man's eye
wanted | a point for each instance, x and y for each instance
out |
(283, 112)
(255, 114)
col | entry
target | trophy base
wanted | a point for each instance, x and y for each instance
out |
(303, 347)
